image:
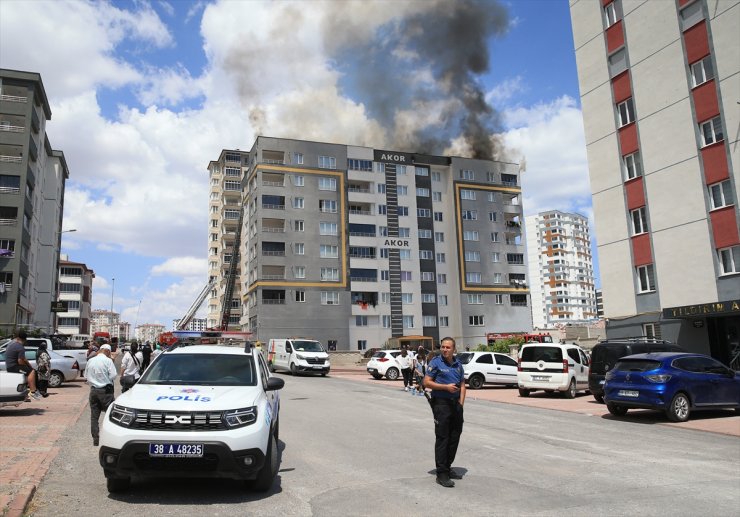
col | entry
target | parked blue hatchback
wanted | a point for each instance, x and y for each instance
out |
(676, 383)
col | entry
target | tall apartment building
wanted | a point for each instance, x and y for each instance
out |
(108, 321)
(353, 245)
(148, 332)
(561, 274)
(659, 89)
(196, 324)
(224, 206)
(32, 181)
(75, 288)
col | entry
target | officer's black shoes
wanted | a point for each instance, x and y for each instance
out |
(96, 442)
(454, 475)
(445, 481)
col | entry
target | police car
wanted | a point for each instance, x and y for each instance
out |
(198, 411)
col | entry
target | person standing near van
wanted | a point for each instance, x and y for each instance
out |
(446, 378)
(131, 367)
(405, 362)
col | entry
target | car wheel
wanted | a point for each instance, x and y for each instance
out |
(599, 398)
(377, 376)
(616, 410)
(56, 378)
(118, 484)
(679, 409)
(523, 392)
(392, 374)
(475, 382)
(267, 473)
(571, 392)
(293, 369)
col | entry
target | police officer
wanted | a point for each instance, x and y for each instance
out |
(445, 377)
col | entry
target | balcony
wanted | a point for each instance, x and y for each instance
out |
(273, 207)
(11, 129)
(13, 98)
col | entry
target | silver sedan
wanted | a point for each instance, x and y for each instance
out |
(63, 369)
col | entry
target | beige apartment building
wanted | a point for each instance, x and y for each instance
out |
(660, 86)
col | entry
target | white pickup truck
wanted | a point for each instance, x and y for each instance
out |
(62, 348)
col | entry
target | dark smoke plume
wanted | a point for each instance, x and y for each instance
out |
(450, 40)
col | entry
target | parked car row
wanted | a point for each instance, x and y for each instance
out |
(63, 369)
(624, 373)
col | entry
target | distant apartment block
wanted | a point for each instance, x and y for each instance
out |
(659, 92)
(353, 245)
(196, 324)
(75, 289)
(149, 332)
(32, 183)
(107, 321)
(561, 274)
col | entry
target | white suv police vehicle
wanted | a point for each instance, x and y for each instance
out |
(198, 411)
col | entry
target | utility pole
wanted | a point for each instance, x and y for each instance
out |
(110, 326)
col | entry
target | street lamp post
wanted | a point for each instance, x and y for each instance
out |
(113, 286)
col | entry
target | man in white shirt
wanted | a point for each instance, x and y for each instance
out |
(100, 373)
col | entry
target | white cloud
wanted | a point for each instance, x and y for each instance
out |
(181, 266)
(505, 91)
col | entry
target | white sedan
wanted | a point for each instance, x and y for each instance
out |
(383, 363)
(488, 368)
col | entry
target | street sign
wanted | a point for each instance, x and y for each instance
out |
(59, 306)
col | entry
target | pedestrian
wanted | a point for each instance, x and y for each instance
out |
(43, 368)
(146, 353)
(92, 350)
(16, 362)
(405, 363)
(131, 367)
(101, 373)
(445, 377)
(157, 350)
(420, 369)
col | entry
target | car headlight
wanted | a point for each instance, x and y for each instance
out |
(658, 379)
(122, 416)
(240, 417)
(609, 375)
(300, 357)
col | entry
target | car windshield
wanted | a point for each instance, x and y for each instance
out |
(548, 354)
(202, 369)
(636, 365)
(308, 346)
(465, 357)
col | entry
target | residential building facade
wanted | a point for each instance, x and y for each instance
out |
(75, 288)
(32, 182)
(353, 246)
(561, 274)
(149, 332)
(196, 324)
(659, 90)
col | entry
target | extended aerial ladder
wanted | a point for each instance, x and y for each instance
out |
(196, 305)
(231, 276)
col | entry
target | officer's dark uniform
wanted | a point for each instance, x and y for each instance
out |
(448, 412)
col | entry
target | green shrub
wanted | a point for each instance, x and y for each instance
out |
(501, 345)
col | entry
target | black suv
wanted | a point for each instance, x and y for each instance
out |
(606, 353)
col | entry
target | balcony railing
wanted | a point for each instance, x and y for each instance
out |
(273, 277)
(273, 183)
(13, 98)
(362, 279)
(10, 190)
(281, 301)
(274, 162)
(360, 190)
(362, 255)
(273, 230)
(273, 207)
(8, 222)
(268, 253)
(10, 159)
(362, 234)
(11, 129)
(360, 212)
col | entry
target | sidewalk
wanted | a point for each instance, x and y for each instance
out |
(30, 433)
(720, 421)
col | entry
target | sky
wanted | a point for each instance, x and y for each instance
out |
(144, 94)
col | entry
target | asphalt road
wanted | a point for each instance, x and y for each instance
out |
(351, 448)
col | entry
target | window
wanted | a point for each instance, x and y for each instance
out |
(610, 14)
(407, 298)
(702, 71)
(441, 258)
(721, 194)
(402, 190)
(329, 274)
(383, 231)
(495, 256)
(430, 321)
(467, 174)
(729, 259)
(472, 256)
(299, 226)
(299, 271)
(329, 298)
(436, 176)
(422, 192)
(360, 321)
(425, 234)
(626, 111)
(648, 330)
(426, 255)
(639, 221)
(384, 275)
(515, 258)
(691, 15)
(470, 235)
(439, 237)
(428, 298)
(470, 215)
(711, 131)
(443, 299)
(427, 276)
(328, 184)
(404, 254)
(328, 206)
(327, 162)
(298, 158)
(423, 212)
(442, 279)
(386, 321)
(404, 232)
(232, 185)
(632, 166)
(438, 216)
(298, 202)
(300, 296)
(436, 196)
(476, 321)
(403, 211)
(406, 276)
(494, 237)
(383, 252)
(492, 216)
(444, 321)
(617, 62)
(473, 278)
(381, 188)
(327, 228)
(498, 278)
(408, 322)
(475, 299)
(382, 209)
(491, 197)
(422, 171)
(498, 299)
(328, 251)
(467, 194)
(359, 165)
(646, 279)
(518, 300)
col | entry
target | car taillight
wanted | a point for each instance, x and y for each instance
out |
(76, 366)
(565, 366)
(382, 359)
(519, 365)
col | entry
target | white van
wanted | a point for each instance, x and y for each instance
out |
(552, 367)
(78, 340)
(297, 355)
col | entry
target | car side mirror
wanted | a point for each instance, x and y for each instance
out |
(274, 383)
